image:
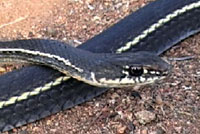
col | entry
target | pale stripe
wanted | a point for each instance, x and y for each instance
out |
(34, 92)
(155, 26)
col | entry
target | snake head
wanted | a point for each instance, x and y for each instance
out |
(130, 69)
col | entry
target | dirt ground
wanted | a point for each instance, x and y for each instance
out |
(170, 107)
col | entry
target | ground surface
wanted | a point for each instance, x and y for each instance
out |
(172, 106)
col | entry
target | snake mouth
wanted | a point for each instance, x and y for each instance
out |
(158, 73)
(154, 74)
(148, 77)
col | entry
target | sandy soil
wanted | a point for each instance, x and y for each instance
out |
(171, 106)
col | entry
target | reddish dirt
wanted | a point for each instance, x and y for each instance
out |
(174, 102)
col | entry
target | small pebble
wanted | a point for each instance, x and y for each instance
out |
(159, 130)
(145, 117)
(144, 131)
(158, 100)
(121, 129)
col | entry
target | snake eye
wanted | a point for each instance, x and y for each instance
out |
(136, 71)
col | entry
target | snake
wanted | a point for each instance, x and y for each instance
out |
(97, 69)
(126, 54)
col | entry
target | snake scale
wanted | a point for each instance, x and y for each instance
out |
(153, 29)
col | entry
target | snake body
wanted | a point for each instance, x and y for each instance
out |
(103, 70)
(154, 28)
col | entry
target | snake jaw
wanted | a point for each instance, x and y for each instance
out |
(148, 76)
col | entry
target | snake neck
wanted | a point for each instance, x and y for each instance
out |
(40, 49)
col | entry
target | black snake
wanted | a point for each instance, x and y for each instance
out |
(153, 29)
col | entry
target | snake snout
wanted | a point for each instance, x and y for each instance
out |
(164, 67)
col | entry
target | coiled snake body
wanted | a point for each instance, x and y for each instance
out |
(153, 29)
